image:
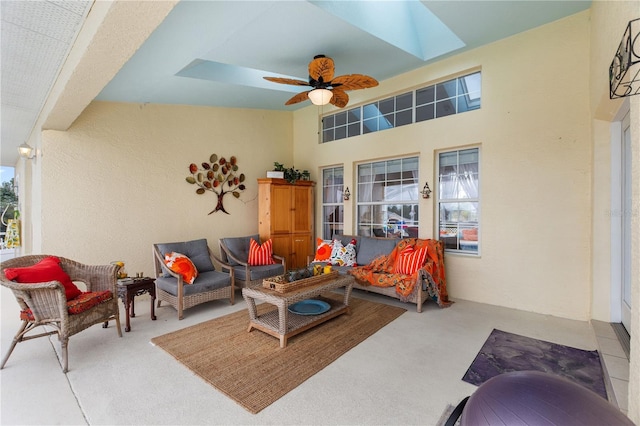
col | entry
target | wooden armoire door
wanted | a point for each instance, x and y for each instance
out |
(286, 217)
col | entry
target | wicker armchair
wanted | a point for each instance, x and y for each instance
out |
(211, 284)
(46, 303)
(235, 251)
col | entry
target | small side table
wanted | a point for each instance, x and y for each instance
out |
(127, 292)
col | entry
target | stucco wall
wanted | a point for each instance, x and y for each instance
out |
(534, 133)
(608, 23)
(117, 177)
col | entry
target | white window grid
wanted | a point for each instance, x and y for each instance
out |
(452, 230)
(454, 96)
(387, 202)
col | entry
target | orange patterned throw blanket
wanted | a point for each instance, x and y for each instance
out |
(380, 272)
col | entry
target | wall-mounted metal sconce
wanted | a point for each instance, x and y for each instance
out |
(346, 194)
(426, 191)
(27, 152)
(624, 72)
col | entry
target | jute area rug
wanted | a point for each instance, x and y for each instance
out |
(504, 352)
(250, 367)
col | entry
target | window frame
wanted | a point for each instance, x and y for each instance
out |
(443, 227)
(386, 227)
(339, 204)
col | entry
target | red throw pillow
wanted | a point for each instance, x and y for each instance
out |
(410, 260)
(261, 254)
(48, 269)
(323, 252)
(182, 265)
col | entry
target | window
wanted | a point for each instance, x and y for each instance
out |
(449, 97)
(388, 198)
(341, 125)
(332, 204)
(458, 200)
(387, 113)
(453, 96)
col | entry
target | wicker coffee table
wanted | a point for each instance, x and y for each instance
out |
(283, 324)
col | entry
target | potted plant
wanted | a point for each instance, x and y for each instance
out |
(291, 174)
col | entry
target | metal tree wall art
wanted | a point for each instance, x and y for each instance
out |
(219, 176)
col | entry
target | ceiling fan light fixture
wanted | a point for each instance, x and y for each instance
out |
(321, 76)
(320, 96)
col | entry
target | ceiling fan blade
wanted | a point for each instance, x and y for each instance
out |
(354, 81)
(287, 81)
(300, 97)
(321, 69)
(339, 98)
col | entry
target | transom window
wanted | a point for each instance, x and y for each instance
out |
(332, 204)
(453, 96)
(387, 198)
(458, 200)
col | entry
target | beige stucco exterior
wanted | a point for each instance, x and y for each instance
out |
(113, 182)
(120, 174)
(535, 166)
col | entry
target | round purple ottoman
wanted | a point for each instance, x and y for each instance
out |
(536, 398)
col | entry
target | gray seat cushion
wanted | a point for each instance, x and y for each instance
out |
(196, 250)
(258, 272)
(206, 281)
(238, 247)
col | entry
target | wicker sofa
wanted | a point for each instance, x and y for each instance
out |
(370, 249)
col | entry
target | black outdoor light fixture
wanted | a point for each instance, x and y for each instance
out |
(624, 72)
(346, 194)
(426, 191)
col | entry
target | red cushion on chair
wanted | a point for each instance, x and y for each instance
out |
(87, 300)
(48, 269)
(260, 254)
(79, 304)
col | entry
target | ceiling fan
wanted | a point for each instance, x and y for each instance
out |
(325, 88)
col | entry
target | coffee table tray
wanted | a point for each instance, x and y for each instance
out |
(279, 284)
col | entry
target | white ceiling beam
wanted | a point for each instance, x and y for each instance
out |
(111, 34)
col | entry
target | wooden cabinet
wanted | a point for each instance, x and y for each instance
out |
(285, 214)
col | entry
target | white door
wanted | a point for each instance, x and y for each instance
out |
(626, 224)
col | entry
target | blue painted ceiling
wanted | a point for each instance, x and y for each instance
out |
(216, 52)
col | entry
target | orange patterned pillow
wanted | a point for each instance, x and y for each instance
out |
(260, 254)
(323, 252)
(182, 265)
(410, 260)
